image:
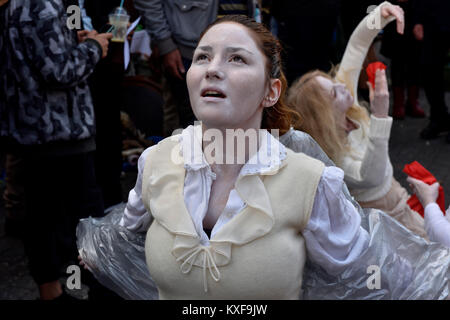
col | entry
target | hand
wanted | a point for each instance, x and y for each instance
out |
(82, 35)
(427, 194)
(173, 64)
(82, 263)
(2, 2)
(398, 13)
(379, 97)
(418, 32)
(102, 39)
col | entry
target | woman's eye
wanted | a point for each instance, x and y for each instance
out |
(237, 59)
(201, 57)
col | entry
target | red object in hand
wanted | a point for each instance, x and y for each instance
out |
(417, 171)
(372, 69)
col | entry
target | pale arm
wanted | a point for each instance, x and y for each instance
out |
(334, 236)
(136, 217)
(358, 46)
(437, 225)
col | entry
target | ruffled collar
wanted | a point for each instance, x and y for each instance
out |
(267, 159)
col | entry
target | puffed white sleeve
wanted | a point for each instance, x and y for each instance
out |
(334, 237)
(136, 217)
(437, 225)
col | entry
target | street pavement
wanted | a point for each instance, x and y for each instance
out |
(405, 146)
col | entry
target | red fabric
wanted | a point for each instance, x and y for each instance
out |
(417, 171)
(372, 69)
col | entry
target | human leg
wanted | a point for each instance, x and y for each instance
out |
(59, 190)
(14, 195)
(436, 44)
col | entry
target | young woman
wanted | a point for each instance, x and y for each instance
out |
(250, 208)
(355, 141)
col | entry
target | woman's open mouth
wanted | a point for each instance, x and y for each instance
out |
(212, 94)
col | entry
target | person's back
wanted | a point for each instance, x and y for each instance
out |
(45, 98)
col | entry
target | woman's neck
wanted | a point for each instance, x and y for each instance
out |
(227, 150)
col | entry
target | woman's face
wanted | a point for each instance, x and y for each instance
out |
(341, 99)
(227, 81)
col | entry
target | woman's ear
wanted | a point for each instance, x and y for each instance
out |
(273, 93)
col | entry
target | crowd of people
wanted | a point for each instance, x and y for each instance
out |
(218, 67)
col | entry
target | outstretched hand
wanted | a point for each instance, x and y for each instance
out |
(426, 193)
(398, 13)
(379, 96)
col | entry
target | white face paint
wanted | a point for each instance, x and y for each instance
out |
(227, 81)
(341, 99)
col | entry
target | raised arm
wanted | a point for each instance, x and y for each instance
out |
(361, 39)
(370, 172)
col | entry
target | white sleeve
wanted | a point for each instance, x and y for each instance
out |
(358, 46)
(437, 225)
(370, 172)
(135, 217)
(334, 236)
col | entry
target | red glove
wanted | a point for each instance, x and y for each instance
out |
(417, 171)
(372, 69)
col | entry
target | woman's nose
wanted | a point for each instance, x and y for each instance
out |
(214, 71)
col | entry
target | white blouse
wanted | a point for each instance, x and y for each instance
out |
(437, 225)
(333, 236)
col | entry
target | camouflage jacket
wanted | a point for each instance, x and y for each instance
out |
(44, 96)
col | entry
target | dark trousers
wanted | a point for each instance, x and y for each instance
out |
(106, 90)
(436, 44)
(59, 190)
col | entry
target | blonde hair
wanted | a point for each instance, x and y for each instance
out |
(307, 97)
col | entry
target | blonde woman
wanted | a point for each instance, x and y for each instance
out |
(356, 141)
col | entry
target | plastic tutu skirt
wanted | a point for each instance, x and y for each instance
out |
(396, 265)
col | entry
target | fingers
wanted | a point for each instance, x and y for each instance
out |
(174, 71)
(398, 13)
(173, 63)
(180, 65)
(371, 92)
(92, 33)
(380, 81)
(414, 181)
(106, 36)
(435, 185)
